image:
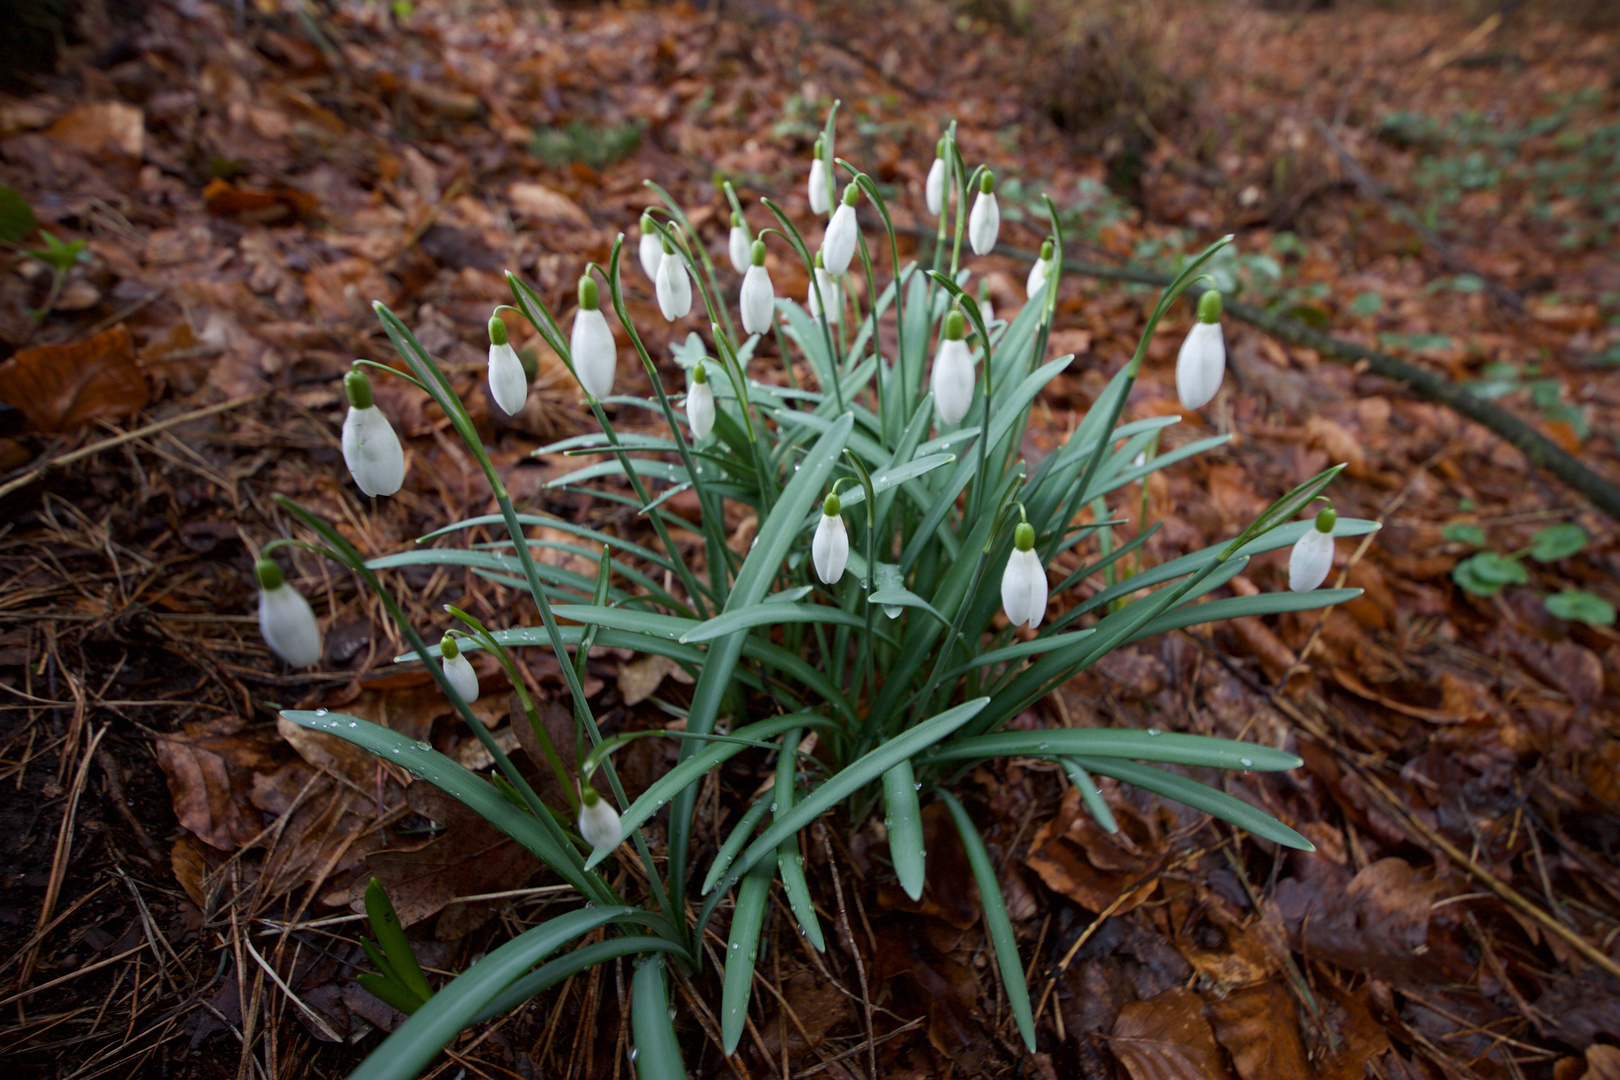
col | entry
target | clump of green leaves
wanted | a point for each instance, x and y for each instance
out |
(1488, 572)
(596, 145)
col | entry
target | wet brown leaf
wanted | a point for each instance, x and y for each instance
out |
(210, 768)
(64, 387)
(110, 126)
(1167, 1038)
(1074, 856)
(1259, 1029)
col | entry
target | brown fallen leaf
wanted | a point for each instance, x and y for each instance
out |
(345, 288)
(1167, 1038)
(110, 126)
(1602, 1062)
(210, 768)
(546, 204)
(1074, 856)
(64, 387)
(639, 679)
(1258, 1027)
(278, 205)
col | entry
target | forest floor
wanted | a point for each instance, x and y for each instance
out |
(179, 871)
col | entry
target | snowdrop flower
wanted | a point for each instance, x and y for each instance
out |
(462, 678)
(371, 450)
(285, 618)
(838, 245)
(508, 384)
(934, 187)
(1202, 360)
(598, 821)
(984, 222)
(700, 404)
(953, 377)
(737, 245)
(828, 293)
(987, 310)
(651, 250)
(820, 195)
(674, 287)
(591, 344)
(758, 300)
(1023, 583)
(830, 547)
(1040, 271)
(1312, 558)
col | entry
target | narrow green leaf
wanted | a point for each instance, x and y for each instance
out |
(734, 843)
(768, 614)
(789, 863)
(657, 1053)
(1150, 745)
(742, 949)
(385, 926)
(546, 976)
(903, 817)
(1091, 795)
(389, 992)
(1236, 607)
(1199, 797)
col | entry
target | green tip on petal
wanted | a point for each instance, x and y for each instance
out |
(736, 219)
(269, 574)
(668, 247)
(830, 506)
(955, 326)
(818, 260)
(939, 147)
(756, 254)
(821, 146)
(588, 795)
(699, 374)
(587, 293)
(852, 194)
(1209, 307)
(1326, 519)
(448, 648)
(358, 388)
(497, 330)
(1024, 536)
(987, 182)
(646, 223)
(1046, 249)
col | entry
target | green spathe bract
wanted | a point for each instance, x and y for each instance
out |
(902, 668)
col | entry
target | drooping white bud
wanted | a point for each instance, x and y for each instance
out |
(738, 245)
(984, 221)
(1312, 558)
(598, 821)
(700, 404)
(838, 246)
(828, 286)
(458, 670)
(371, 450)
(1023, 583)
(934, 187)
(286, 620)
(674, 286)
(651, 250)
(758, 300)
(591, 345)
(820, 196)
(1201, 363)
(1039, 272)
(829, 548)
(953, 377)
(508, 383)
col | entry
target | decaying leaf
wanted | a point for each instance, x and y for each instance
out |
(1167, 1038)
(64, 387)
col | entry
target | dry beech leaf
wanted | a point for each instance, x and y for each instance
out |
(1259, 1028)
(1075, 857)
(640, 679)
(64, 387)
(103, 125)
(1167, 1038)
(210, 770)
(547, 204)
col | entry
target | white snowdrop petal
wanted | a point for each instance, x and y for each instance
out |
(829, 293)
(599, 825)
(507, 383)
(288, 625)
(674, 287)
(934, 189)
(463, 679)
(1037, 278)
(700, 410)
(838, 246)
(984, 223)
(1311, 561)
(952, 380)
(1015, 590)
(372, 452)
(758, 301)
(1200, 365)
(829, 549)
(738, 248)
(652, 253)
(1037, 589)
(594, 353)
(820, 197)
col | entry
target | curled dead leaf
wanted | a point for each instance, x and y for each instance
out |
(64, 387)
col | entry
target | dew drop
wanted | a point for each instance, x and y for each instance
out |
(421, 745)
(918, 785)
(353, 724)
(672, 1014)
(320, 712)
(633, 1053)
(1044, 747)
(395, 750)
(1154, 731)
(1246, 762)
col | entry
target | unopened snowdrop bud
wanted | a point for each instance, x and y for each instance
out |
(987, 310)
(1040, 271)
(830, 297)
(371, 450)
(651, 249)
(598, 821)
(934, 188)
(1202, 361)
(737, 245)
(952, 381)
(820, 197)
(829, 549)
(1023, 583)
(674, 286)
(591, 344)
(758, 301)
(285, 618)
(508, 384)
(1312, 558)
(838, 246)
(458, 670)
(984, 222)
(700, 404)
